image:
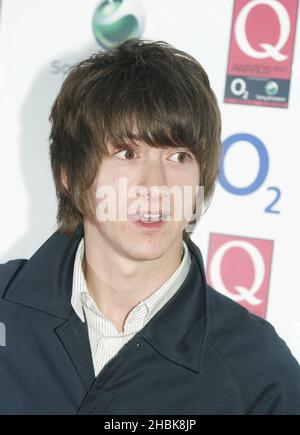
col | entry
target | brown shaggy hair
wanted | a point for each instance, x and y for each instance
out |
(162, 91)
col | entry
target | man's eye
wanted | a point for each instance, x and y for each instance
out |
(183, 156)
(125, 154)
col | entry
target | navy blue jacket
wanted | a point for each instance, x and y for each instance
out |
(200, 354)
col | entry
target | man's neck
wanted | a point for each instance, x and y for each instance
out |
(117, 283)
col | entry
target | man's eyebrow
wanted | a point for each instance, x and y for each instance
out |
(126, 143)
(135, 136)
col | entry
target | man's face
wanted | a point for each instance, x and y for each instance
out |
(147, 179)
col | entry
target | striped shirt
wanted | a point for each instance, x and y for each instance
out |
(105, 339)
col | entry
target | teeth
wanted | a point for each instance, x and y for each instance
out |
(146, 217)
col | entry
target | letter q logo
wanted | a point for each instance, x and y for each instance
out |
(243, 293)
(268, 50)
(239, 268)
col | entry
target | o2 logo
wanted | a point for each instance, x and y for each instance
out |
(239, 88)
(262, 172)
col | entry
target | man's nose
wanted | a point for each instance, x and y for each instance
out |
(152, 174)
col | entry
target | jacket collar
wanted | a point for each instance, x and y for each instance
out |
(45, 280)
(44, 283)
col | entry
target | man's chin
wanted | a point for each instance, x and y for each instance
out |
(147, 250)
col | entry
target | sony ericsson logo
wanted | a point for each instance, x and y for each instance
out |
(268, 50)
(115, 21)
(271, 88)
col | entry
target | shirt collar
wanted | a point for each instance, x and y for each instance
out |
(152, 303)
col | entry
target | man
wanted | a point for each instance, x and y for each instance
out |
(114, 316)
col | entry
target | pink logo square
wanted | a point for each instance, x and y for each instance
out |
(240, 268)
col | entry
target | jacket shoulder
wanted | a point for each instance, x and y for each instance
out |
(263, 366)
(7, 272)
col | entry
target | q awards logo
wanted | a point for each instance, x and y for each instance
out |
(261, 51)
(239, 267)
(115, 21)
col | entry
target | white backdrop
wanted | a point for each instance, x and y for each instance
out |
(39, 39)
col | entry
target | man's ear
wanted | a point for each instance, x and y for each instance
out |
(64, 178)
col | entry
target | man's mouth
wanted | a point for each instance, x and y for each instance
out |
(147, 217)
